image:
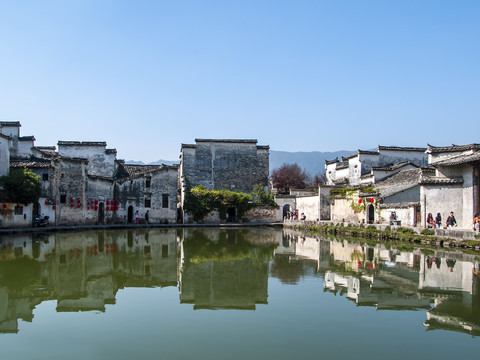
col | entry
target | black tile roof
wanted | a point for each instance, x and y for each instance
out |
(394, 166)
(401, 148)
(459, 160)
(245, 141)
(454, 148)
(10, 123)
(125, 171)
(31, 164)
(82, 143)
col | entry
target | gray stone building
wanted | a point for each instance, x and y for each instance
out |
(235, 165)
(84, 183)
(152, 188)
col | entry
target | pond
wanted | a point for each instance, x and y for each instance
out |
(245, 293)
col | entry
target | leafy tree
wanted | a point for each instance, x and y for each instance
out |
(260, 196)
(289, 176)
(21, 186)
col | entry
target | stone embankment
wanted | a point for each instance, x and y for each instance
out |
(466, 239)
(69, 228)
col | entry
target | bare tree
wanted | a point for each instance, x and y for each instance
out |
(317, 180)
(289, 176)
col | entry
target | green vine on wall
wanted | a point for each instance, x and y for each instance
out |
(200, 201)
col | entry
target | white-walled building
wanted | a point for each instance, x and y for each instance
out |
(359, 168)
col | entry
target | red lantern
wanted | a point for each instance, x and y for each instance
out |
(79, 200)
(108, 202)
(116, 203)
(372, 200)
(54, 207)
(359, 263)
(96, 207)
(71, 204)
(4, 206)
(88, 207)
(359, 201)
(107, 208)
(46, 202)
(96, 202)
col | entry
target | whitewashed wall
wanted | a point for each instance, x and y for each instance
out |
(443, 199)
(341, 210)
(310, 206)
(405, 215)
(9, 219)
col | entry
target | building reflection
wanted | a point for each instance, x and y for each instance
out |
(446, 284)
(225, 269)
(229, 269)
(82, 271)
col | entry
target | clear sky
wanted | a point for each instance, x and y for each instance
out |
(299, 75)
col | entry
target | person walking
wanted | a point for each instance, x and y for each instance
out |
(451, 221)
(476, 223)
(430, 221)
(438, 221)
(147, 216)
(136, 217)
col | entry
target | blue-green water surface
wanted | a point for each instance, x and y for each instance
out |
(233, 294)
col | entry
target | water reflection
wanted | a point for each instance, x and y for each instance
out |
(230, 269)
(446, 284)
(82, 271)
(225, 270)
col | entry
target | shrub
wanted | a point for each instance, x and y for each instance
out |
(428, 232)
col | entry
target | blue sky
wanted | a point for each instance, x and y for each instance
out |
(147, 76)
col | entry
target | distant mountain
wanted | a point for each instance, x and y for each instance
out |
(313, 162)
(158, 162)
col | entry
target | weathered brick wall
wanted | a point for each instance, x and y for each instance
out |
(4, 156)
(70, 177)
(230, 165)
(101, 161)
(263, 214)
(133, 192)
(258, 214)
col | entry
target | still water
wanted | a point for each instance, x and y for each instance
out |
(233, 294)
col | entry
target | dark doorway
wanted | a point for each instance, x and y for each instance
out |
(35, 211)
(418, 216)
(101, 213)
(231, 214)
(130, 214)
(371, 214)
(286, 209)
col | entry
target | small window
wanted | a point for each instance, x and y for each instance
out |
(45, 177)
(147, 183)
(18, 210)
(63, 199)
(165, 201)
(148, 202)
